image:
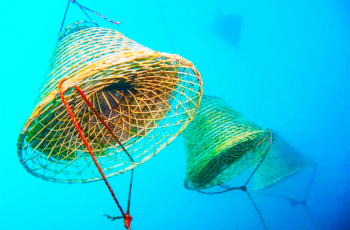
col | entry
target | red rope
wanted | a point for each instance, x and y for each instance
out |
(127, 218)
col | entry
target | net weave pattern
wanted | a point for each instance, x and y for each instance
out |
(281, 162)
(220, 143)
(147, 98)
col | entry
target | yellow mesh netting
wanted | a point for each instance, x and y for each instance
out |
(147, 98)
(220, 143)
(281, 162)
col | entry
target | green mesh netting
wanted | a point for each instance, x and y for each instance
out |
(220, 143)
(281, 162)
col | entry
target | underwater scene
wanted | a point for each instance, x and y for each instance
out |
(201, 115)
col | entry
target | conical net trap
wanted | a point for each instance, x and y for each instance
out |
(147, 98)
(220, 143)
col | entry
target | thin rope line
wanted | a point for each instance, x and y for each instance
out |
(77, 126)
(222, 185)
(257, 209)
(291, 199)
(86, 13)
(295, 201)
(130, 189)
(227, 190)
(64, 17)
(207, 87)
(311, 217)
(307, 195)
(311, 180)
(94, 12)
(166, 26)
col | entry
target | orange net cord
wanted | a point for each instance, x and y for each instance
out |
(127, 217)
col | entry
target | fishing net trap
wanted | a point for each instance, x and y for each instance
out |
(146, 98)
(220, 143)
(107, 105)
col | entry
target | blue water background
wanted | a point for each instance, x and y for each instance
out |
(290, 71)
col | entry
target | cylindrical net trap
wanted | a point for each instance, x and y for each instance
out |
(220, 143)
(147, 98)
(281, 162)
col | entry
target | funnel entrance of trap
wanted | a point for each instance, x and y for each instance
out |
(218, 168)
(220, 144)
(122, 85)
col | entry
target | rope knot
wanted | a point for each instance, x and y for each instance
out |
(243, 188)
(127, 220)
